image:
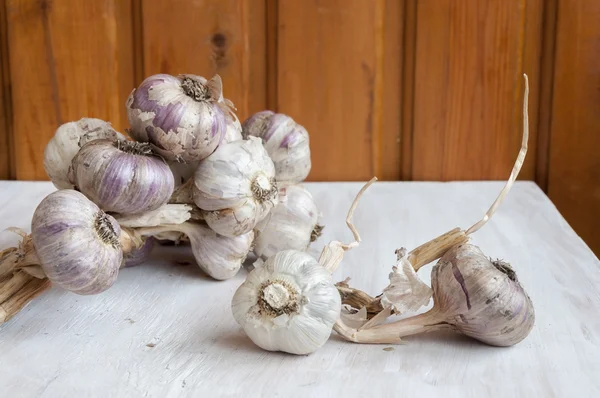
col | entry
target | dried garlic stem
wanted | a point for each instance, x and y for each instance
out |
(435, 248)
(391, 333)
(356, 298)
(17, 290)
(333, 253)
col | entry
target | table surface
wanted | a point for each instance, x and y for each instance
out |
(166, 330)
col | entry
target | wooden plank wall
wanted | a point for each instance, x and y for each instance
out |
(401, 89)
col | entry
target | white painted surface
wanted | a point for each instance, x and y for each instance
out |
(64, 345)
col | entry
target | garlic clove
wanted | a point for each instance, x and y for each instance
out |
(76, 242)
(67, 141)
(288, 304)
(122, 176)
(139, 255)
(234, 128)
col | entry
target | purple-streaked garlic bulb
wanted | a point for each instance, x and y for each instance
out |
(183, 118)
(122, 176)
(286, 142)
(292, 224)
(235, 186)
(472, 295)
(76, 242)
(140, 254)
(67, 141)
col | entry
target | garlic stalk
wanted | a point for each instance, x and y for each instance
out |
(290, 303)
(183, 118)
(65, 144)
(235, 186)
(472, 295)
(218, 256)
(122, 176)
(292, 224)
(286, 142)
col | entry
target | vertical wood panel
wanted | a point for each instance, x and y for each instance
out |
(67, 61)
(574, 169)
(210, 37)
(468, 89)
(331, 57)
(5, 101)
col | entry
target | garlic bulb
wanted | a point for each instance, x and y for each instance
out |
(65, 144)
(292, 224)
(122, 176)
(140, 254)
(286, 142)
(182, 117)
(473, 295)
(288, 304)
(218, 256)
(76, 242)
(235, 186)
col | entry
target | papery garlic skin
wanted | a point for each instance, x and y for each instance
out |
(238, 177)
(234, 128)
(288, 304)
(493, 307)
(181, 117)
(122, 176)
(67, 141)
(286, 141)
(76, 242)
(290, 225)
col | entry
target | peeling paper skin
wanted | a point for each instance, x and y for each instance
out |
(354, 320)
(166, 214)
(406, 291)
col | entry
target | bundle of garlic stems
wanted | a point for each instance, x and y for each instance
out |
(472, 294)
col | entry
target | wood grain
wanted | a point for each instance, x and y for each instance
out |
(210, 37)
(166, 330)
(331, 65)
(5, 101)
(67, 61)
(574, 169)
(468, 89)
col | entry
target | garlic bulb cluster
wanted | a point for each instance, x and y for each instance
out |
(235, 186)
(292, 224)
(122, 176)
(67, 141)
(286, 142)
(76, 242)
(288, 304)
(183, 118)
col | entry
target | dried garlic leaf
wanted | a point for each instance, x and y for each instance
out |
(406, 291)
(354, 319)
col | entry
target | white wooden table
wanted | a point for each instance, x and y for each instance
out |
(165, 330)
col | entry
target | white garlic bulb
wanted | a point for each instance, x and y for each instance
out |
(65, 144)
(76, 242)
(286, 142)
(122, 176)
(182, 117)
(288, 304)
(292, 224)
(235, 186)
(218, 256)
